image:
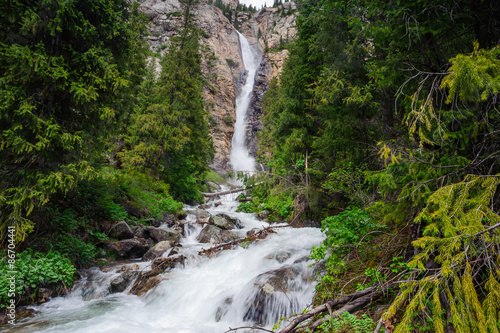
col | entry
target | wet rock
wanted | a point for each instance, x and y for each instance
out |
(215, 235)
(121, 282)
(202, 220)
(153, 222)
(270, 286)
(225, 221)
(223, 309)
(204, 206)
(217, 204)
(263, 215)
(44, 294)
(170, 220)
(158, 250)
(280, 256)
(140, 232)
(128, 248)
(252, 231)
(121, 230)
(162, 264)
(174, 251)
(198, 212)
(159, 234)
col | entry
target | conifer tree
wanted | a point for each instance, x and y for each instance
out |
(63, 65)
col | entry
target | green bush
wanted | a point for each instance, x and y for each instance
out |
(348, 323)
(34, 270)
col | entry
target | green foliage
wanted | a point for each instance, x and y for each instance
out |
(65, 68)
(168, 136)
(347, 227)
(348, 323)
(34, 270)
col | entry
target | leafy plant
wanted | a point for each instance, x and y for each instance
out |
(349, 323)
(34, 270)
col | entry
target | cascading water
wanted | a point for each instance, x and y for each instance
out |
(252, 285)
(240, 158)
(256, 284)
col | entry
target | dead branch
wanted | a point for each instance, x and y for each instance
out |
(261, 234)
(351, 302)
(248, 327)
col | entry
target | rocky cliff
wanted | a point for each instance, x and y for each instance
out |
(268, 30)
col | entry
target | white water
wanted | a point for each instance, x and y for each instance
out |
(240, 158)
(205, 296)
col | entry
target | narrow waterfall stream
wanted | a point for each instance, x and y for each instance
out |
(255, 284)
(252, 285)
(240, 159)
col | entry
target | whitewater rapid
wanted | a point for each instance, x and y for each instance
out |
(207, 295)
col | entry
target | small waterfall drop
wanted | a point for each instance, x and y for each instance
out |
(240, 158)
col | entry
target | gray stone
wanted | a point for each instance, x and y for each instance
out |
(225, 221)
(121, 230)
(128, 248)
(121, 282)
(215, 235)
(263, 215)
(159, 234)
(158, 250)
(198, 212)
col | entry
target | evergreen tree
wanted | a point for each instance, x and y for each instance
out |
(169, 134)
(63, 67)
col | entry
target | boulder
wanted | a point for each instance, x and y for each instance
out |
(225, 221)
(266, 296)
(215, 235)
(169, 220)
(262, 215)
(128, 248)
(160, 235)
(204, 206)
(121, 230)
(121, 282)
(140, 232)
(154, 222)
(162, 264)
(158, 250)
(198, 212)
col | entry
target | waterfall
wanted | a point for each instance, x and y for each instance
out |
(240, 158)
(208, 295)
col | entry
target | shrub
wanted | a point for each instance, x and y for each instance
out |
(34, 270)
(348, 323)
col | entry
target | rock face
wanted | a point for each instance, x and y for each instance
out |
(215, 235)
(222, 63)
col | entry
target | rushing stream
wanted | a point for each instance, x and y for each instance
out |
(255, 284)
(232, 289)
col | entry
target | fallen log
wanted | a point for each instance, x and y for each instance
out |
(234, 190)
(261, 234)
(350, 302)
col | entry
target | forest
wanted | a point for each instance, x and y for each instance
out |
(383, 129)
(384, 126)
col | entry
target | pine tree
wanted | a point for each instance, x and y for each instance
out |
(63, 65)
